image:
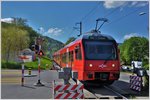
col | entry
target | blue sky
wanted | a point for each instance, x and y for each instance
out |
(56, 19)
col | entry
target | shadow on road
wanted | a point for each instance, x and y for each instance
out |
(29, 87)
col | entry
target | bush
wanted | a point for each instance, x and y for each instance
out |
(146, 82)
(146, 67)
(10, 65)
(45, 63)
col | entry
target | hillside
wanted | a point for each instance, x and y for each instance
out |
(51, 46)
(18, 37)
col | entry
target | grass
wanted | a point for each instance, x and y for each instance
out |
(46, 63)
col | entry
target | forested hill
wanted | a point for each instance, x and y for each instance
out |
(16, 37)
(51, 46)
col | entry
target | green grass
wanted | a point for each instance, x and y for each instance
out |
(46, 63)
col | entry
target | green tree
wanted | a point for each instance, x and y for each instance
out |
(70, 40)
(135, 48)
(19, 21)
(14, 40)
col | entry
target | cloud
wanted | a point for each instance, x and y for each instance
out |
(138, 4)
(141, 4)
(121, 4)
(114, 4)
(7, 20)
(54, 31)
(41, 29)
(131, 35)
(134, 3)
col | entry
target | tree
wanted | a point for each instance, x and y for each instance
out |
(70, 40)
(135, 48)
(14, 40)
(19, 21)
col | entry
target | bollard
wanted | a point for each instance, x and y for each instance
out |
(29, 71)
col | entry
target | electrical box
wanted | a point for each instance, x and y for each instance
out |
(74, 75)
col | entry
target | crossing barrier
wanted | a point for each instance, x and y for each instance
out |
(68, 91)
(136, 83)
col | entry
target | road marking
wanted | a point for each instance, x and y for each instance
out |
(10, 80)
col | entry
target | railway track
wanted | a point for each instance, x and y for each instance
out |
(96, 91)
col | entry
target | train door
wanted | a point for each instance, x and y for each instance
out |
(78, 61)
(78, 57)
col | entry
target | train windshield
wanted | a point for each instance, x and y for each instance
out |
(97, 50)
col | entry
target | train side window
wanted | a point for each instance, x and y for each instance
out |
(64, 58)
(71, 56)
(78, 54)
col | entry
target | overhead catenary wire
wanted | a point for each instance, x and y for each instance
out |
(107, 14)
(124, 16)
(91, 11)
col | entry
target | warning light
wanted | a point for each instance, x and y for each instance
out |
(40, 53)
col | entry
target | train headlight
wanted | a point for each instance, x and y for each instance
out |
(113, 65)
(90, 65)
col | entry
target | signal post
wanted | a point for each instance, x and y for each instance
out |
(40, 53)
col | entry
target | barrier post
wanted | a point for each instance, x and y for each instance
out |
(39, 70)
(22, 79)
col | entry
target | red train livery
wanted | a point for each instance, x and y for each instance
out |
(93, 55)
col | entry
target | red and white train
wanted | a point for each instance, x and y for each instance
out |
(93, 55)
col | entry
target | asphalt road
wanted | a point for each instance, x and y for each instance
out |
(11, 85)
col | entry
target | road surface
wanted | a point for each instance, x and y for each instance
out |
(11, 86)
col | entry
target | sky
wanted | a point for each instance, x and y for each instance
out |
(56, 19)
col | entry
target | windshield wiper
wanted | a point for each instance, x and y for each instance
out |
(107, 58)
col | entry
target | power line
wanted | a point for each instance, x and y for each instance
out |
(124, 16)
(111, 12)
(91, 11)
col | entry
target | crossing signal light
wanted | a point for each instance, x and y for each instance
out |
(41, 53)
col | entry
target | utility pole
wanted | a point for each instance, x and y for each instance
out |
(80, 28)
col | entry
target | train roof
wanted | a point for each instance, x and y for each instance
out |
(95, 33)
(89, 34)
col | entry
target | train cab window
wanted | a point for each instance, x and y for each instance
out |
(78, 54)
(96, 50)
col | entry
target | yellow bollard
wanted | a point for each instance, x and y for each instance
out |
(29, 71)
(46, 66)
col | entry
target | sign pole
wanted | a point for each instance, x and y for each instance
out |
(39, 70)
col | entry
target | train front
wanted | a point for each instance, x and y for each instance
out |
(101, 56)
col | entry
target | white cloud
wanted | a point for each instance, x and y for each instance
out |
(131, 35)
(134, 3)
(7, 20)
(121, 4)
(114, 4)
(139, 4)
(54, 31)
(41, 29)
